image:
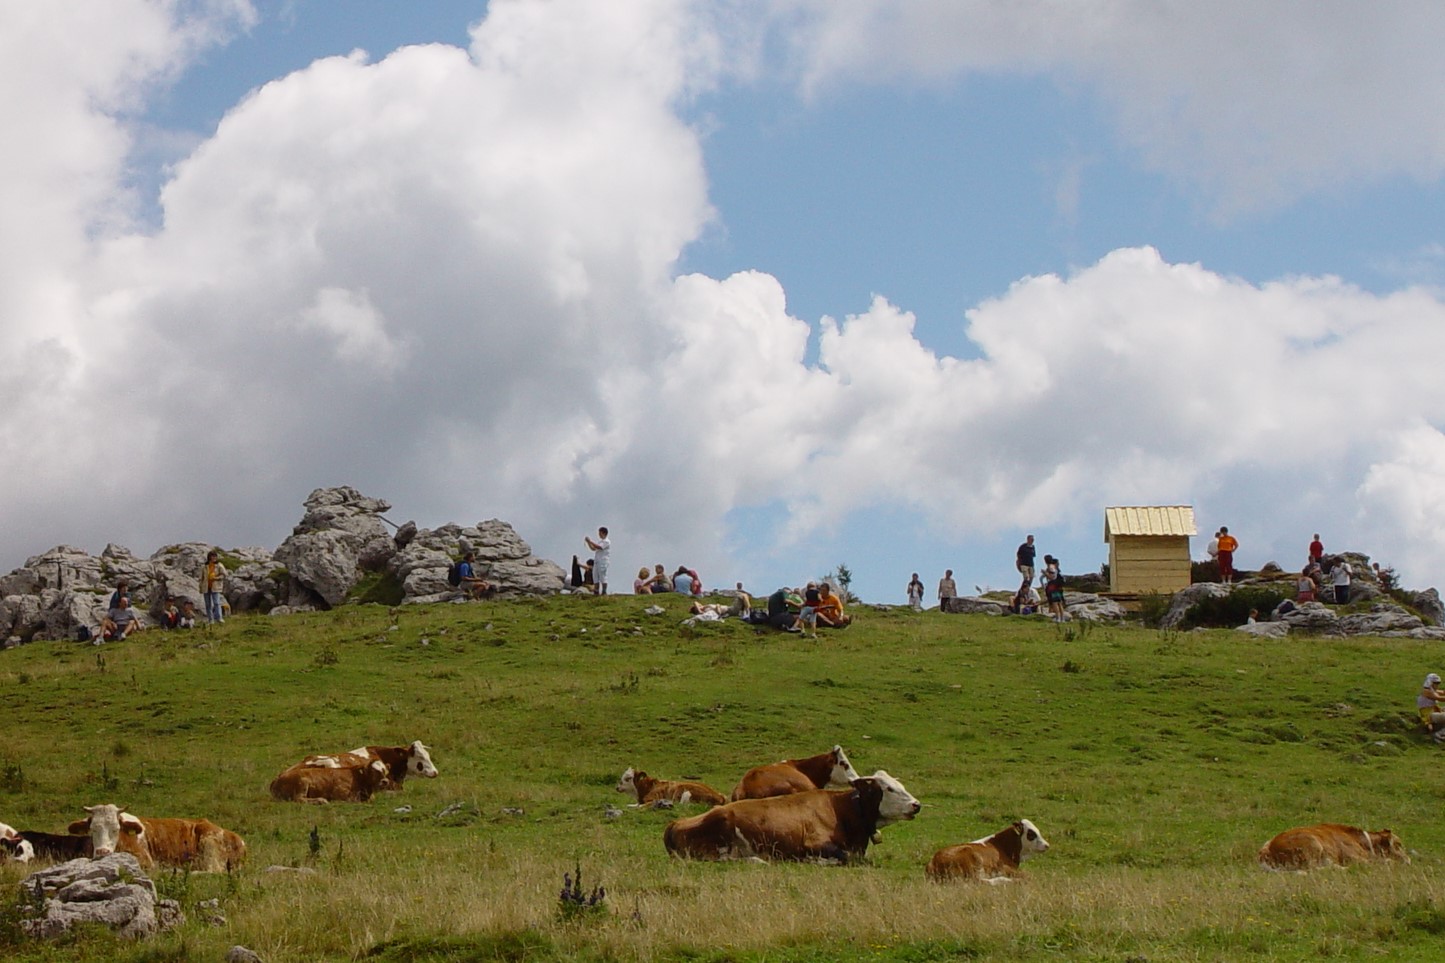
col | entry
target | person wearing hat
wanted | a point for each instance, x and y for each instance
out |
(1428, 705)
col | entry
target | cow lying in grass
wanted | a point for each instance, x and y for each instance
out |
(196, 844)
(992, 859)
(399, 761)
(1329, 844)
(650, 791)
(797, 775)
(319, 784)
(821, 825)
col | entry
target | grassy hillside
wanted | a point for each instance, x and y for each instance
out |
(1155, 763)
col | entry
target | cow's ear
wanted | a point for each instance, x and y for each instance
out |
(869, 791)
(130, 824)
(81, 827)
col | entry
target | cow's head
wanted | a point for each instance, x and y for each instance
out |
(894, 802)
(843, 774)
(104, 826)
(419, 762)
(626, 783)
(1387, 845)
(14, 846)
(377, 774)
(1030, 839)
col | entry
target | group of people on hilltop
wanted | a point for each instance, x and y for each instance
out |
(1026, 600)
(1310, 585)
(804, 609)
(121, 619)
(684, 581)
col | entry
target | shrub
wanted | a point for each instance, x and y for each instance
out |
(1153, 607)
(1233, 609)
(576, 903)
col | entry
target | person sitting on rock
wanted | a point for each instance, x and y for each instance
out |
(830, 609)
(1428, 704)
(1025, 601)
(472, 582)
(119, 622)
(1304, 587)
(170, 615)
(188, 615)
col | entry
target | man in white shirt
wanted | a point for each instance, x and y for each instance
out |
(601, 551)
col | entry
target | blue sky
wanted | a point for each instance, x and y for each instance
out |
(764, 286)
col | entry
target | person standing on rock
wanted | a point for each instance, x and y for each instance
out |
(1228, 544)
(946, 590)
(915, 593)
(1024, 560)
(213, 581)
(601, 552)
(1341, 575)
(1317, 551)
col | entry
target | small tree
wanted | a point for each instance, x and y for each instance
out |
(841, 578)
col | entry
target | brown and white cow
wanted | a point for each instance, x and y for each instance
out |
(797, 775)
(993, 859)
(399, 760)
(823, 825)
(650, 791)
(197, 844)
(319, 784)
(1329, 844)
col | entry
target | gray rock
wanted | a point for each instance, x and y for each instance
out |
(1265, 630)
(1427, 603)
(1093, 608)
(239, 954)
(1381, 618)
(1311, 616)
(111, 891)
(973, 605)
(1184, 599)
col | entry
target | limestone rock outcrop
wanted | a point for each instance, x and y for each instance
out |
(111, 891)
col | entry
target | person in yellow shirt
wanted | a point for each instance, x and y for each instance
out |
(213, 581)
(830, 608)
(1227, 546)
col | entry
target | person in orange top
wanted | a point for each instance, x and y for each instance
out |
(830, 608)
(1228, 544)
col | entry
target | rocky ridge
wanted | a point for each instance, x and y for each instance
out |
(342, 537)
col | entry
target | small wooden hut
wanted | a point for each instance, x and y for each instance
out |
(1148, 547)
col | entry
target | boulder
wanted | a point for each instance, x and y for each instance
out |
(973, 605)
(111, 891)
(1428, 604)
(503, 558)
(1093, 608)
(1311, 616)
(1265, 630)
(1185, 599)
(340, 536)
(1382, 618)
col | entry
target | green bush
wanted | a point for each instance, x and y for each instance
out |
(1233, 609)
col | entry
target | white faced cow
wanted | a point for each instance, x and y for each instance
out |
(650, 791)
(15, 846)
(819, 825)
(414, 759)
(992, 859)
(198, 844)
(797, 775)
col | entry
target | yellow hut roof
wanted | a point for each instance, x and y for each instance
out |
(1149, 520)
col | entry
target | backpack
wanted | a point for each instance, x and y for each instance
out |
(454, 574)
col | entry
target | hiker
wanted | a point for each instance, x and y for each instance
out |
(915, 594)
(686, 582)
(1025, 601)
(1228, 544)
(1340, 577)
(830, 609)
(170, 615)
(1304, 587)
(1024, 560)
(660, 581)
(213, 579)
(1317, 550)
(470, 582)
(601, 552)
(1427, 703)
(188, 615)
(742, 602)
(642, 585)
(122, 589)
(946, 590)
(119, 622)
(1053, 579)
(780, 615)
(808, 614)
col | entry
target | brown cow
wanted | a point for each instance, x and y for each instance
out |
(993, 859)
(797, 775)
(320, 784)
(832, 827)
(1329, 844)
(399, 761)
(197, 844)
(53, 846)
(14, 845)
(650, 791)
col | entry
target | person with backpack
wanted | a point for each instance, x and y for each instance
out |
(1053, 579)
(467, 579)
(915, 593)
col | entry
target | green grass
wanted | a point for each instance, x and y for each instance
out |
(1156, 763)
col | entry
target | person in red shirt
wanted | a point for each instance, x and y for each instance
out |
(1317, 549)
